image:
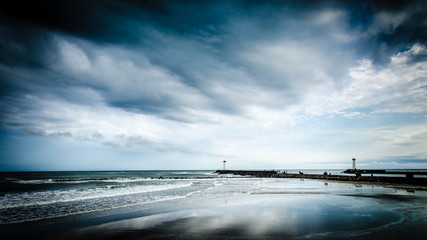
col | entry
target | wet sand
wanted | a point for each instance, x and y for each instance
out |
(272, 213)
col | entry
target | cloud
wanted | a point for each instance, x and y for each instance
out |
(407, 160)
(43, 133)
(35, 132)
(243, 79)
(396, 87)
(94, 137)
(178, 71)
(112, 144)
(128, 80)
(388, 27)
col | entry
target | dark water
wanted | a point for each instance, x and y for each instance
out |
(40, 195)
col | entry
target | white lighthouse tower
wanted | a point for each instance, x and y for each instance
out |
(224, 165)
(354, 163)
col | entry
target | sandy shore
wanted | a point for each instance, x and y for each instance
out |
(346, 212)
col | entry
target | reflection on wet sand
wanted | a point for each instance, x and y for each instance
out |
(278, 216)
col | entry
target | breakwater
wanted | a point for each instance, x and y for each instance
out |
(352, 178)
(255, 173)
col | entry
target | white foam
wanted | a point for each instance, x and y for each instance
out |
(169, 198)
(77, 181)
(38, 181)
(13, 200)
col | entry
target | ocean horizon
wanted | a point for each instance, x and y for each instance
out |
(284, 95)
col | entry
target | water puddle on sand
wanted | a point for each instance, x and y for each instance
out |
(294, 216)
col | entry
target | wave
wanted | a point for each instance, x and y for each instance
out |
(68, 213)
(80, 180)
(180, 175)
(14, 200)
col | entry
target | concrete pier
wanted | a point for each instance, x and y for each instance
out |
(414, 181)
(352, 178)
(408, 174)
(255, 173)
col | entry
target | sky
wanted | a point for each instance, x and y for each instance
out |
(140, 85)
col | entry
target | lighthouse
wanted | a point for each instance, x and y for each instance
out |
(223, 168)
(354, 163)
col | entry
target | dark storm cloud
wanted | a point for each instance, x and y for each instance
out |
(222, 53)
(110, 21)
(90, 19)
(411, 30)
(118, 21)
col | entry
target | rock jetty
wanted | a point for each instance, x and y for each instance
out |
(420, 181)
(254, 173)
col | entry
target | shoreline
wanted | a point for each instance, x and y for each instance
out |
(248, 207)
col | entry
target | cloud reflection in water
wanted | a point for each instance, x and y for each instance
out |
(263, 215)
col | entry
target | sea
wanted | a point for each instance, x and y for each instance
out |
(31, 196)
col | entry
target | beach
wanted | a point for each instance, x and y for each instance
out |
(217, 207)
(244, 119)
